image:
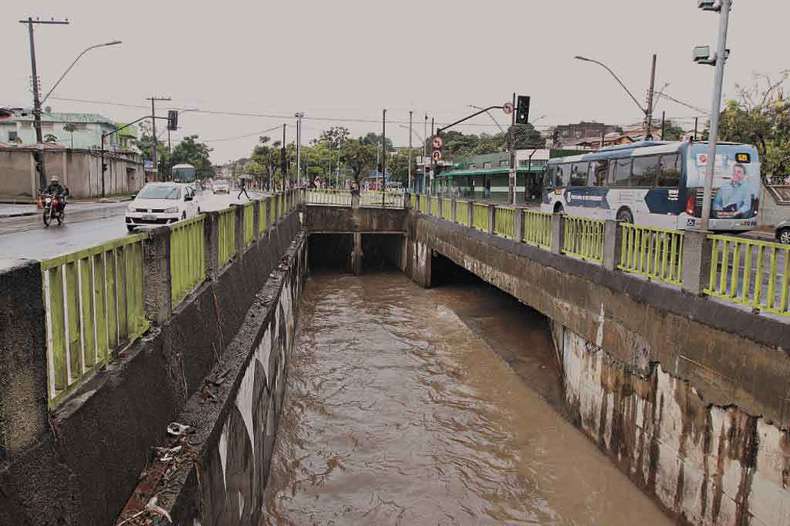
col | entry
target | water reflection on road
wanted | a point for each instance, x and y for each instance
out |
(399, 411)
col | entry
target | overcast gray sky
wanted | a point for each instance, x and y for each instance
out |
(348, 59)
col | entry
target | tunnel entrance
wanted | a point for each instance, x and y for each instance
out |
(519, 334)
(335, 252)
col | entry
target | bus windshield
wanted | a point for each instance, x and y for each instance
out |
(183, 173)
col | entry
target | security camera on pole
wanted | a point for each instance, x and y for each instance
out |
(719, 59)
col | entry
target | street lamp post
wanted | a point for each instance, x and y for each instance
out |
(648, 111)
(95, 46)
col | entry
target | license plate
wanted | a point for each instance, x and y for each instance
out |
(148, 217)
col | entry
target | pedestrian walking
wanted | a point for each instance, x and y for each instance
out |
(243, 188)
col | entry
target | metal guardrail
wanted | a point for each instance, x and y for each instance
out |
(750, 272)
(536, 228)
(227, 236)
(505, 222)
(187, 257)
(583, 238)
(94, 304)
(447, 209)
(328, 197)
(263, 215)
(480, 216)
(249, 223)
(462, 212)
(434, 206)
(656, 253)
(386, 199)
(424, 204)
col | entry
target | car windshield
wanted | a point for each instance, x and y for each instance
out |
(160, 192)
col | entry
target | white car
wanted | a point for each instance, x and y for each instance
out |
(160, 204)
(221, 187)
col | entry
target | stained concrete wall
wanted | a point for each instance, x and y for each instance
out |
(687, 395)
(83, 467)
(221, 478)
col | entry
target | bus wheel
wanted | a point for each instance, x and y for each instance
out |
(558, 209)
(625, 215)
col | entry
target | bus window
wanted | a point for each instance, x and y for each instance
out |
(579, 174)
(620, 174)
(670, 171)
(645, 171)
(564, 175)
(599, 171)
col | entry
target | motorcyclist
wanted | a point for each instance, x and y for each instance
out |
(56, 189)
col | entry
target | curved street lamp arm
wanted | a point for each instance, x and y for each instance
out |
(72, 65)
(615, 78)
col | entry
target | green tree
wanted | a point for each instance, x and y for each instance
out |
(672, 132)
(761, 116)
(71, 128)
(359, 156)
(526, 136)
(334, 137)
(194, 152)
(51, 139)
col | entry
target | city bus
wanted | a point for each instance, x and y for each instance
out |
(183, 173)
(657, 184)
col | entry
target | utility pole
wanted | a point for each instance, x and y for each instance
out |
(425, 152)
(42, 175)
(650, 93)
(298, 116)
(383, 154)
(663, 124)
(283, 160)
(410, 123)
(721, 61)
(512, 144)
(153, 133)
(696, 127)
(433, 165)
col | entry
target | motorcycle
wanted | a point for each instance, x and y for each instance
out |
(53, 209)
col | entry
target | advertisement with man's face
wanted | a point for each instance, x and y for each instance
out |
(736, 179)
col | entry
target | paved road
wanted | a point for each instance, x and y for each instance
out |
(26, 237)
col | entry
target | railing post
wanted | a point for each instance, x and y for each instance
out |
(157, 275)
(453, 210)
(696, 261)
(440, 206)
(256, 219)
(267, 207)
(518, 225)
(612, 241)
(23, 358)
(557, 232)
(211, 242)
(491, 219)
(470, 214)
(239, 225)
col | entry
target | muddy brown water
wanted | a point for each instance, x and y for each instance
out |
(413, 406)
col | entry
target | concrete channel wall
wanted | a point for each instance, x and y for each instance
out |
(78, 462)
(688, 396)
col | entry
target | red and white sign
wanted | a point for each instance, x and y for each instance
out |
(437, 142)
(507, 108)
(437, 156)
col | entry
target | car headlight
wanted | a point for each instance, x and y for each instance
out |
(130, 208)
(171, 210)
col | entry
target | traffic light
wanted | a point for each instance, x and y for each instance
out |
(172, 120)
(522, 110)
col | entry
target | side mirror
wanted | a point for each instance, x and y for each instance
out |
(187, 198)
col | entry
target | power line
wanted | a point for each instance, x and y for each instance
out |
(243, 136)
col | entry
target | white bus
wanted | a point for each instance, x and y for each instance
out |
(657, 184)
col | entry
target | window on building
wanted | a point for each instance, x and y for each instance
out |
(644, 171)
(504, 163)
(620, 172)
(670, 171)
(486, 165)
(579, 174)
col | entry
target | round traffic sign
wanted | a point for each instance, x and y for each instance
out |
(438, 142)
(507, 108)
(437, 155)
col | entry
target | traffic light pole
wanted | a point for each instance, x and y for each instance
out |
(513, 173)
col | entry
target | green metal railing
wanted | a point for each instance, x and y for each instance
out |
(412, 201)
(536, 228)
(656, 253)
(263, 215)
(424, 204)
(505, 222)
(226, 248)
(249, 223)
(583, 238)
(187, 257)
(462, 212)
(329, 197)
(447, 209)
(434, 206)
(94, 305)
(750, 272)
(480, 216)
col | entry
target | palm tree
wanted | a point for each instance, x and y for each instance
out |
(69, 127)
